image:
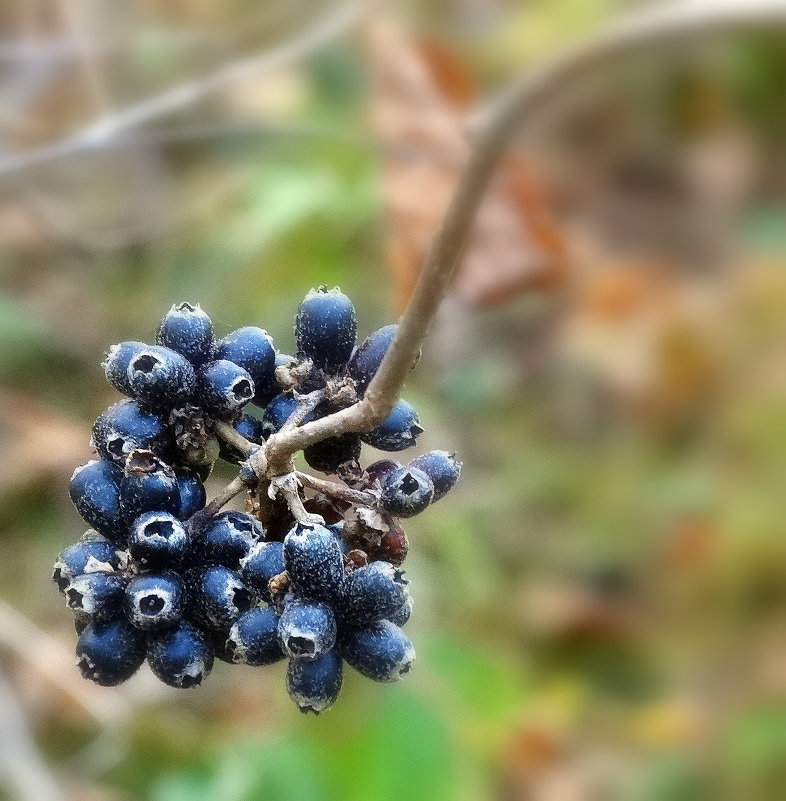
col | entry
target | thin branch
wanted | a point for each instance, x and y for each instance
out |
(228, 434)
(336, 490)
(305, 405)
(289, 486)
(235, 487)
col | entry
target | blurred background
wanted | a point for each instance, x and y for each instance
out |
(600, 604)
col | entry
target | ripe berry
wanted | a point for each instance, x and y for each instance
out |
(381, 651)
(92, 554)
(442, 468)
(109, 652)
(157, 539)
(252, 349)
(220, 596)
(399, 430)
(148, 485)
(402, 614)
(264, 560)
(224, 388)
(406, 492)
(95, 492)
(96, 594)
(253, 638)
(325, 328)
(126, 426)
(181, 657)
(306, 629)
(116, 363)
(249, 427)
(329, 454)
(315, 685)
(192, 493)
(161, 377)
(277, 412)
(371, 593)
(366, 359)
(189, 331)
(154, 601)
(228, 538)
(314, 562)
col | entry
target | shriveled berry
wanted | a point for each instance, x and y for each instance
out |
(306, 629)
(220, 596)
(376, 471)
(154, 601)
(366, 359)
(181, 657)
(313, 560)
(394, 544)
(315, 685)
(224, 388)
(192, 493)
(92, 554)
(148, 484)
(109, 652)
(228, 538)
(126, 426)
(406, 492)
(96, 594)
(161, 377)
(157, 539)
(252, 349)
(398, 431)
(95, 492)
(264, 560)
(442, 468)
(381, 651)
(329, 454)
(253, 638)
(326, 328)
(371, 593)
(116, 363)
(189, 331)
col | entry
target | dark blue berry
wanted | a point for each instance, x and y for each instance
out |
(252, 349)
(181, 657)
(399, 430)
(109, 652)
(228, 538)
(116, 363)
(381, 651)
(95, 492)
(154, 601)
(148, 485)
(189, 331)
(337, 530)
(315, 685)
(405, 492)
(314, 562)
(161, 377)
(126, 426)
(253, 638)
(220, 596)
(264, 560)
(306, 629)
(277, 412)
(325, 328)
(329, 454)
(224, 388)
(371, 593)
(402, 614)
(442, 468)
(192, 494)
(92, 554)
(96, 594)
(249, 427)
(157, 539)
(366, 359)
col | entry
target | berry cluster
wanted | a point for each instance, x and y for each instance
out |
(313, 577)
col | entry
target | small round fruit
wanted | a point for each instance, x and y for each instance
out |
(381, 651)
(109, 652)
(315, 685)
(253, 638)
(306, 629)
(442, 468)
(189, 331)
(326, 328)
(154, 601)
(406, 492)
(180, 657)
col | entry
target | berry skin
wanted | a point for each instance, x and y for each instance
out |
(313, 560)
(181, 657)
(157, 539)
(442, 468)
(148, 485)
(337, 530)
(381, 652)
(327, 455)
(406, 492)
(376, 471)
(228, 538)
(264, 560)
(253, 638)
(402, 614)
(109, 652)
(394, 545)
(116, 363)
(161, 377)
(399, 430)
(252, 349)
(96, 594)
(92, 554)
(95, 492)
(306, 629)
(220, 596)
(371, 593)
(154, 601)
(315, 685)
(326, 328)
(192, 494)
(248, 427)
(224, 388)
(125, 427)
(187, 330)
(277, 412)
(366, 359)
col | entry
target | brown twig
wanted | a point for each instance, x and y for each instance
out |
(336, 490)
(231, 437)
(289, 486)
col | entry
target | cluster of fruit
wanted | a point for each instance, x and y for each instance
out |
(163, 576)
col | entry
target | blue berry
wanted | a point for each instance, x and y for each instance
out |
(181, 657)
(442, 468)
(192, 493)
(253, 638)
(116, 363)
(109, 652)
(314, 562)
(228, 538)
(161, 377)
(366, 359)
(399, 430)
(148, 485)
(157, 539)
(337, 530)
(406, 492)
(402, 614)
(264, 560)
(95, 492)
(306, 629)
(371, 593)
(325, 328)
(189, 331)
(277, 412)
(92, 554)
(249, 427)
(252, 349)
(126, 426)
(381, 651)
(96, 594)
(154, 600)
(225, 388)
(315, 685)
(329, 454)
(220, 596)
